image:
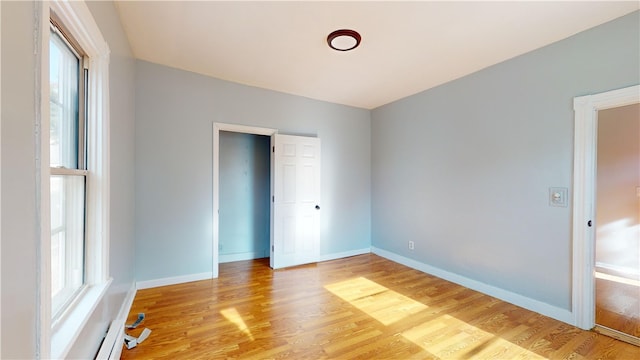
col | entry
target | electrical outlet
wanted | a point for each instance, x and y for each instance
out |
(411, 245)
(558, 196)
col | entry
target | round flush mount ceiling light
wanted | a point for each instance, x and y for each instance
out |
(343, 40)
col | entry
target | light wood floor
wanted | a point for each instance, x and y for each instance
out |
(618, 306)
(363, 307)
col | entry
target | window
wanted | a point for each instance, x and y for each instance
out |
(67, 100)
(74, 201)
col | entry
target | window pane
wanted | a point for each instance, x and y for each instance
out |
(67, 238)
(64, 67)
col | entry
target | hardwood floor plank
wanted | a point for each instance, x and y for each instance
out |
(618, 304)
(362, 307)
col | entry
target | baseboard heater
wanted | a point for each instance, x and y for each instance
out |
(111, 348)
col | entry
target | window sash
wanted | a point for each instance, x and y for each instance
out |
(69, 177)
(70, 150)
(67, 239)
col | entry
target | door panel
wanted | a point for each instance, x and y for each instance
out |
(289, 184)
(295, 235)
(289, 235)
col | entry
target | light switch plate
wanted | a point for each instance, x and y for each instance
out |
(558, 196)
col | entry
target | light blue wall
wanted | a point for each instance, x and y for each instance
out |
(245, 190)
(175, 112)
(464, 169)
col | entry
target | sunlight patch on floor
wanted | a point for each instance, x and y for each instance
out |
(234, 317)
(444, 337)
(449, 338)
(379, 302)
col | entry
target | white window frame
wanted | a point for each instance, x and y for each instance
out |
(55, 340)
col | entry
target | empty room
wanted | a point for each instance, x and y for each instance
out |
(320, 180)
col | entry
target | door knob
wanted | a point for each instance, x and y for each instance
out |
(317, 207)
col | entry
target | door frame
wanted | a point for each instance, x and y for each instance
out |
(217, 127)
(584, 196)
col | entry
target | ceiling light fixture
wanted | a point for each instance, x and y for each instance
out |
(343, 40)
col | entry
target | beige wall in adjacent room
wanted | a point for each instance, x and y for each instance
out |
(618, 204)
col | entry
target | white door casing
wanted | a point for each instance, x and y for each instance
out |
(295, 224)
(584, 194)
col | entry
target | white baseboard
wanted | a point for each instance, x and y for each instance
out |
(226, 258)
(147, 284)
(344, 254)
(618, 269)
(504, 295)
(258, 255)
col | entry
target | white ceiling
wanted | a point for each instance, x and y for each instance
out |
(406, 47)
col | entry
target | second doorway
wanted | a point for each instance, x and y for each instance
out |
(245, 191)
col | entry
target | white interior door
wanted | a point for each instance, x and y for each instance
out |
(295, 229)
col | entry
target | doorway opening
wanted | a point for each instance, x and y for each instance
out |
(591, 216)
(249, 245)
(245, 192)
(617, 238)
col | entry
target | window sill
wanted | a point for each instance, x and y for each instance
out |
(68, 329)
